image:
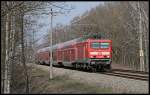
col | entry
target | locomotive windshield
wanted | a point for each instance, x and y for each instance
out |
(95, 45)
(104, 45)
(100, 45)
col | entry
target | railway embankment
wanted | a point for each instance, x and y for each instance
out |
(116, 84)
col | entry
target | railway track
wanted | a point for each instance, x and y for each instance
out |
(131, 75)
(138, 75)
(131, 71)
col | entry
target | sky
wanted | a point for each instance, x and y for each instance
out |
(80, 8)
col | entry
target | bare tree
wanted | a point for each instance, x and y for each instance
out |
(15, 28)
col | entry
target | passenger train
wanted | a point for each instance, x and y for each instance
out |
(89, 54)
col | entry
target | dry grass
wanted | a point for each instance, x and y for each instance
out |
(61, 84)
(40, 83)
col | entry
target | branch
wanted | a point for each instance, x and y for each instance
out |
(60, 7)
(9, 10)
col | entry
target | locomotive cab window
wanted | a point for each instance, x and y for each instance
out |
(95, 45)
(104, 45)
(100, 45)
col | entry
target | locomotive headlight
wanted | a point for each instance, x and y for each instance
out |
(108, 56)
(105, 53)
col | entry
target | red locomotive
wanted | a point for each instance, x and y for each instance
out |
(93, 54)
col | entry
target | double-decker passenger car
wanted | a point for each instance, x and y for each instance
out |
(93, 54)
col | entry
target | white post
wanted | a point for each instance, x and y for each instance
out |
(33, 47)
(51, 58)
(140, 41)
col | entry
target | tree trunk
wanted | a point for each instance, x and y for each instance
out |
(23, 56)
(13, 47)
(3, 49)
(6, 78)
